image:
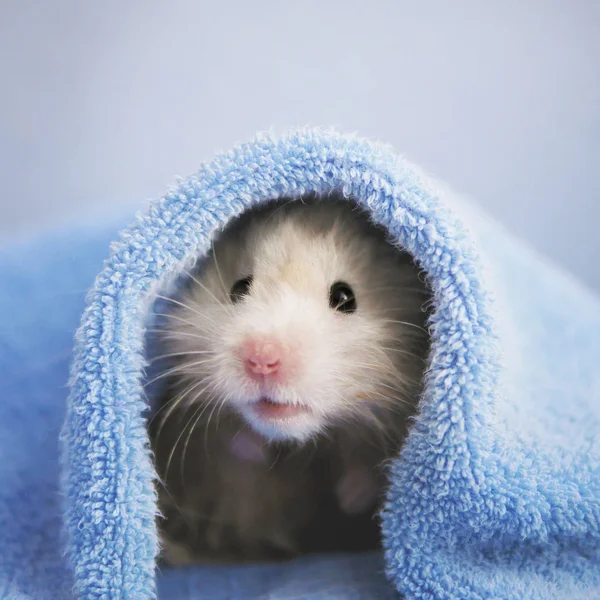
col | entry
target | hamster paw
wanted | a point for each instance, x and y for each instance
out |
(357, 490)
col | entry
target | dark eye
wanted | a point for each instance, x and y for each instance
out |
(240, 289)
(341, 297)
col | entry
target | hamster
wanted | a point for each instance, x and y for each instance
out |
(296, 353)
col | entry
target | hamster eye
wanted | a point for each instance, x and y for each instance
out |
(341, 297)
(240, 289)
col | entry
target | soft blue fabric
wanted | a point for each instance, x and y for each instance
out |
(495, 495)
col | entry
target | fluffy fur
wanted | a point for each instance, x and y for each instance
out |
(355, 377)
(345, 366)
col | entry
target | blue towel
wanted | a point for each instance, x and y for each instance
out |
(496, 494)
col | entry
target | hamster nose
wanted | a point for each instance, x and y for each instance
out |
(262, 357)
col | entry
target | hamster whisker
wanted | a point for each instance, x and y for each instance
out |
(374, 395)
(396, 378)
(182, 320)
(389, 403)
(179, 399)
(183, 353)
(368, 367)
(212, 243)
(392, 372)
(392, 403)
(177, 369)
(223, 402)
(177, 334)
(406, 323)
(204, 405)
(227, 307)
(163, 375)
(184, 514)
(398, 390)
(174, 447)
(272, 465)
(216, 404)
(201, 407)
(173, 400)
(282, 207)
(182, 305)
(401, 351)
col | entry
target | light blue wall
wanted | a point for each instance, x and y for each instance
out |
(104, 102)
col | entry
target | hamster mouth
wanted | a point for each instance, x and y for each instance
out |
(270, 409)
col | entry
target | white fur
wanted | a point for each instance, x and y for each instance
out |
(345, 367)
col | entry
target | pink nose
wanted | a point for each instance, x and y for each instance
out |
(262, 357)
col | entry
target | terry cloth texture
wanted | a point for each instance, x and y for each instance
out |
(496, 494)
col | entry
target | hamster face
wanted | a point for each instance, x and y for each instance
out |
(303, 318)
